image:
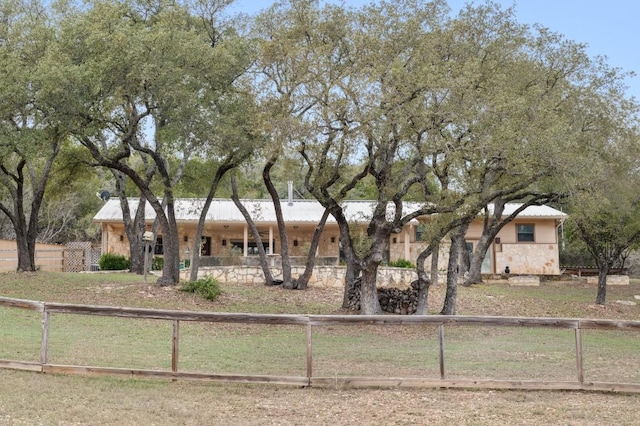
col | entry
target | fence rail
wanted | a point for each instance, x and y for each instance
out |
(310, 322)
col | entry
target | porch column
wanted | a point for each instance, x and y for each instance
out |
(105, 238)
(270, 239)
(407, 242)
(246, 241)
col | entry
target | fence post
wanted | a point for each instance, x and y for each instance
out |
(175, 346)
(441, 343)
(44, 343)
(579, 354)
(309, 353)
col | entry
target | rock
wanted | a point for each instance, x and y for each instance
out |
(626, 302)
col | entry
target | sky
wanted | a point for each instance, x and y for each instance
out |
(608, 27)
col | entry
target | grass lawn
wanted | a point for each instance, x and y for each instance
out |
(498, 353)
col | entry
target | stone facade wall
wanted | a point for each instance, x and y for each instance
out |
(532, 259)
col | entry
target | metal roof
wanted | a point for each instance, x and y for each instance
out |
(302, 211)
(541, 212)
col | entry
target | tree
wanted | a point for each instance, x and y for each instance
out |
(516, 94)
(31, 132)
(67, 213)
(609, 225)
(348, 108)
(146, 78)
(604, 214)
(227, 131)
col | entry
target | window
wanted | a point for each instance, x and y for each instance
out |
(252, 247)
(525, 233)
(420, 231)
(158, 249)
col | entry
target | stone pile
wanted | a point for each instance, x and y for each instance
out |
(392, 300)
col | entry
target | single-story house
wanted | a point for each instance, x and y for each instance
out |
(527, 245)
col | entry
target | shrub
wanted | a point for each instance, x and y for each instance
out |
(401, 263)
(205, 287)
(157, 263)
(113, 262)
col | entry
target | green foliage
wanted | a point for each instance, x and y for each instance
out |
(401, 263)
(233, 251)
(157, 263)
(205, 287)
(360, 240)
(574, 256)
(113, 262)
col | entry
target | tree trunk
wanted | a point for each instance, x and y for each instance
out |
(229, 163)
(136, 243)
(303, 280)
(27, 230)
(195, 247)
(134, 228)
(449, 306)
(25, 238)
(474, 275)
(171, 247)
(285, 259)
(603, 271)
(435, 257)
(423, 279)
(369, 303)
(26, 256)
(264, 263)
(352, 272)
(463, 253)
(353, 268)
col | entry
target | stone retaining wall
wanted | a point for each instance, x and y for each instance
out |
(524, 280)
(611, 280)
(322, 276)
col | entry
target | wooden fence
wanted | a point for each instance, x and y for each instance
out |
(60, 259)
(309, 322)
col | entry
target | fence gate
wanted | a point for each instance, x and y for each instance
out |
(78, 257)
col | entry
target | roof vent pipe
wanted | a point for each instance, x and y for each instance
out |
(290, 185)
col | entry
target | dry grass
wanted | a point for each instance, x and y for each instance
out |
(28, 398)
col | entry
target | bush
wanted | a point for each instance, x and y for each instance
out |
(205, 287)
(114, 262)
(157, 263)
(401, 263)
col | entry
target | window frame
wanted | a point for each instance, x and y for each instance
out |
(520, 235)
(158, 248)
